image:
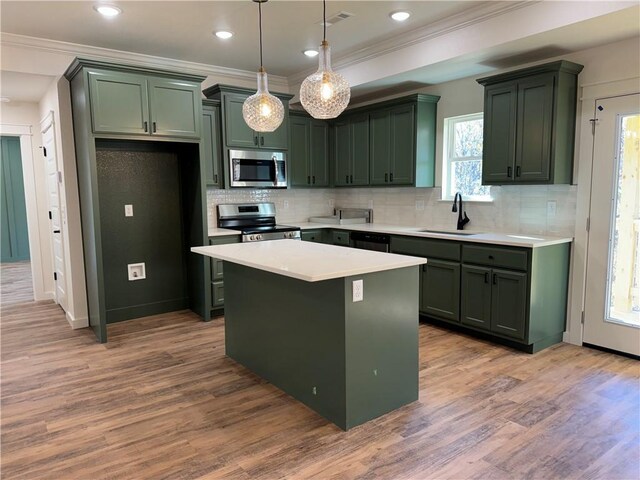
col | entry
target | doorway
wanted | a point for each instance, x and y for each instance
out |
(14, 244)
(612, 305)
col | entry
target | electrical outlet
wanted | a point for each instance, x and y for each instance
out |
(358, 290)
(128, 210)
(137, 271)
(285, 204)
(419, 204)
(551, 208)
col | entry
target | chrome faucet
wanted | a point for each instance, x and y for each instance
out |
(462, 221)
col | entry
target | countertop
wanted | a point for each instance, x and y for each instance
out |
(308, 261)
(514, 240)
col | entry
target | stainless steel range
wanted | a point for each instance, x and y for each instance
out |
(257, 221)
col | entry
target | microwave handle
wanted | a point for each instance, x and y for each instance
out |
(275, 171)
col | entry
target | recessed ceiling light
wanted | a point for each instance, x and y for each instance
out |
(224, 35)
(400, 16)
(5, 99)
(108, 10)
(310, 53)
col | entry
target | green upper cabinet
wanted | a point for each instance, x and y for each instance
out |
(125, 103)
(211, 142)
(235, 132)
(529, 125)
(175, 108)
(119, 102)
(392, 140)
(308, 152)
(401, 143)
(351, 152)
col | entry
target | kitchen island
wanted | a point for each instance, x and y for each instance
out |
(295, 317)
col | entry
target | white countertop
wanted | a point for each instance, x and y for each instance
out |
(223, 232)
(308, 261)
(514, 240)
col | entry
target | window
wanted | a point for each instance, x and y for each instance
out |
(462, 158)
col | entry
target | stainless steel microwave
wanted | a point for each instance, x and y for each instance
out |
(257, 169)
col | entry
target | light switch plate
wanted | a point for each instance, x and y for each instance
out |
(128, 210)
(285, 204)
(358, 290)
(419, 205)
(551, 208)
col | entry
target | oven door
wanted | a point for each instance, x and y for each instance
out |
(250, 168)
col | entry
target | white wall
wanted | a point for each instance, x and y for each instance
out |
(27, 114)
(57, 101)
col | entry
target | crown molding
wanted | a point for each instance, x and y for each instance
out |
(469, 17)
(138, 59)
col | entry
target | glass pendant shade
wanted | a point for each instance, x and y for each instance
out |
(262, 111)
(325, 94)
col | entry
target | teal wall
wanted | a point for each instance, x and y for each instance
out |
(149, 178)
(13, 227)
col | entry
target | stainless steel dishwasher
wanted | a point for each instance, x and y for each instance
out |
(370, 241)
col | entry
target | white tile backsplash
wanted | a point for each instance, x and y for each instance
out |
(515, 209)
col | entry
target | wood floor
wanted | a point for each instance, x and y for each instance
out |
(161, 401)
(15, 283)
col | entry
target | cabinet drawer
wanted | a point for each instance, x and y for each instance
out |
(423, 247)
(495, 257)
(311, 235)
(217, 294)
(341, 238)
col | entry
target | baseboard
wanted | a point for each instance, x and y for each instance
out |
(43, 296)
(77, 322)
(138, 311)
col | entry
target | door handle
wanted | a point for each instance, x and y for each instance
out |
(255, 140)
(154, 127)
(56, 231)
(215, 178)
(518, 171)
(313, 179)
(308, 179)
(262, 141)
(509, 172)
(486, 277)
(346, 178)
(351, 179)
(386, 175)
(146, 126)
(495, 279)
(391, 177)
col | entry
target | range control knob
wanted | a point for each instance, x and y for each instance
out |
(259, 237)
(252, 237)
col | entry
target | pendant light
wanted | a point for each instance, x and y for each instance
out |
(262, 111)
(325, 94)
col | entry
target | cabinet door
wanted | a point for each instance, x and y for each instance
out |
(380, 142)
(359, 150)
(476, 297)
(319, 153)
(175, 108)
(498, 154)
(342, 154)
(119, 103)
(508, 303)
(298, 161)
(237, 132)
(534, 127)
(217, 294)
(278, 139)
(440, 290)
(403, 144)
(312, 236)
(211, 145)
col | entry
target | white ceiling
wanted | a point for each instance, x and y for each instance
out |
(182, 31)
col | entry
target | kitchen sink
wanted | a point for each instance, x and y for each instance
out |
(443, 232)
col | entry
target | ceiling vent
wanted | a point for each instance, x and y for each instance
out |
(338, 17)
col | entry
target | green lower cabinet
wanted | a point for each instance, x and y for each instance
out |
(316, 236)
(440, 290)
(217, 275)
(509, 303)
(341, 237)
(476, 297)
